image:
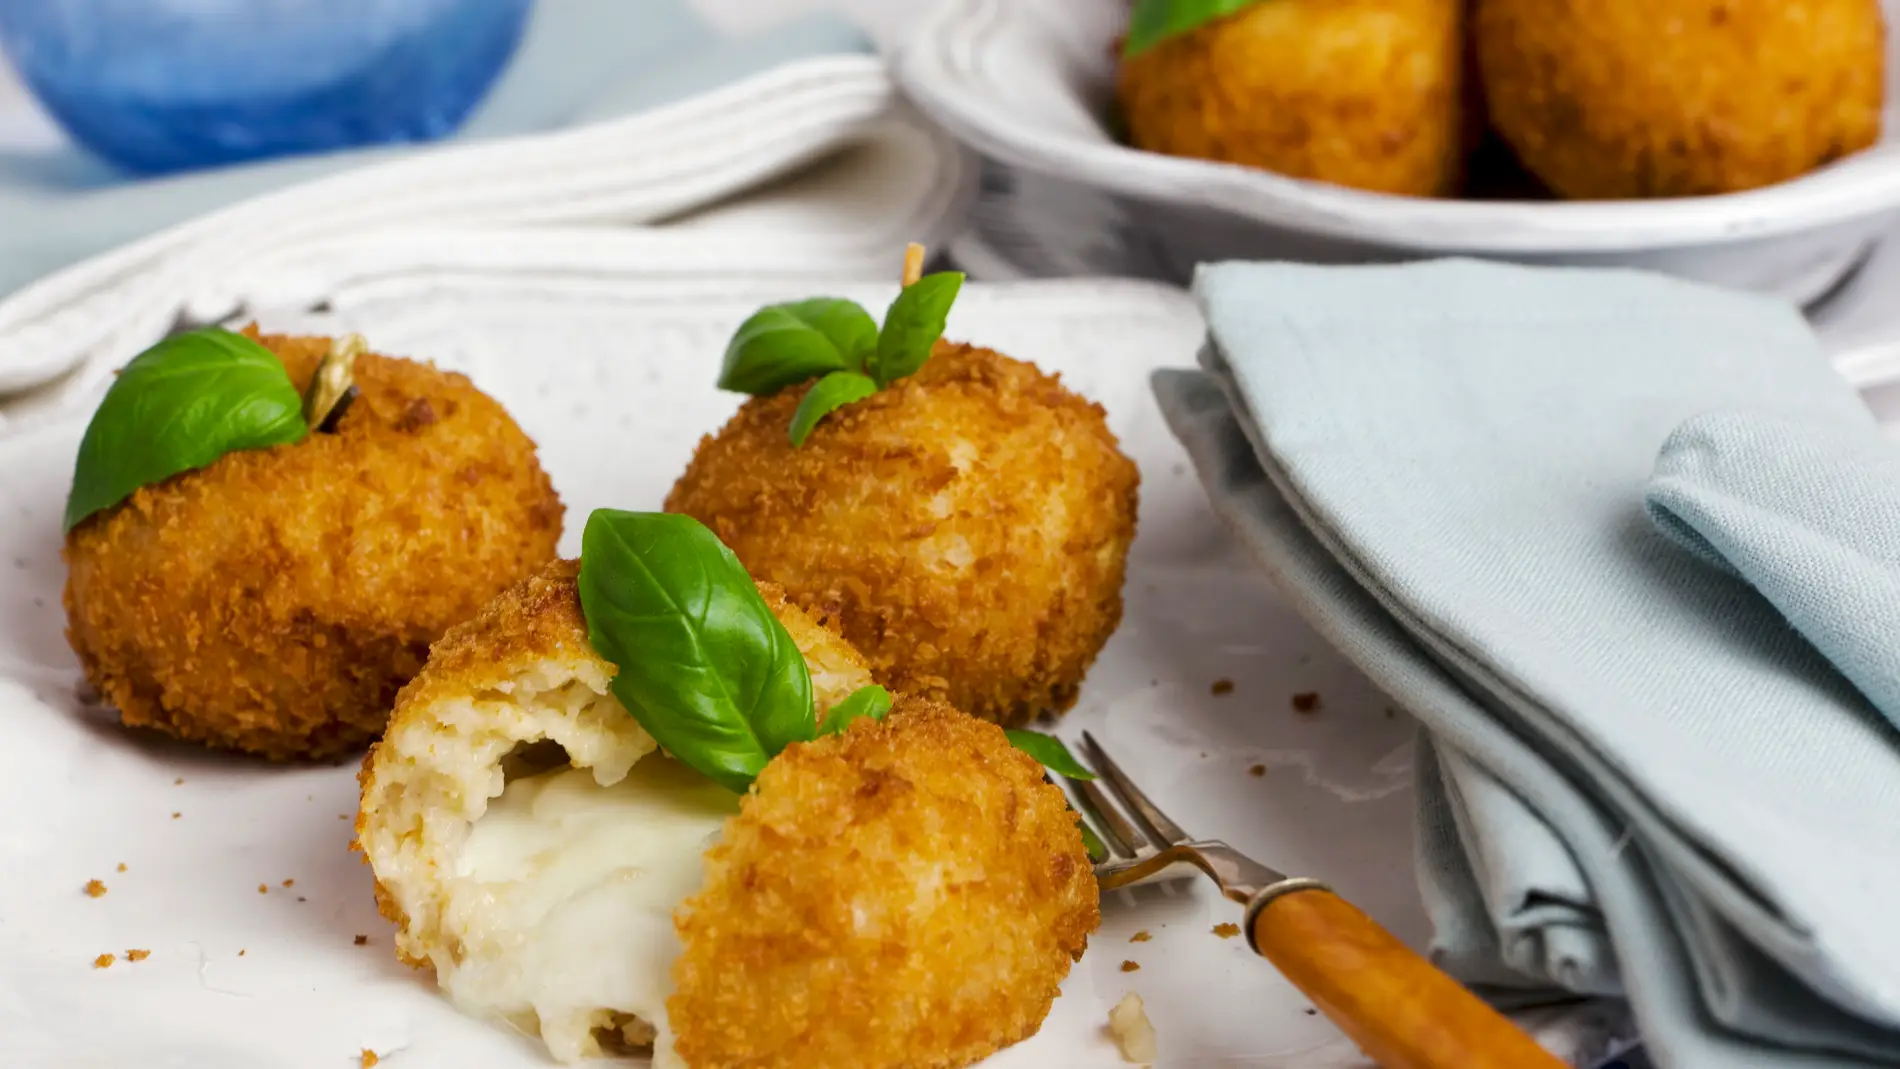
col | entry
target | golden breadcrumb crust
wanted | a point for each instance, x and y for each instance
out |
(910, 892)
(276, 600)
(968, 526)
(1361, 93)
(520, 672)
(1666, 98)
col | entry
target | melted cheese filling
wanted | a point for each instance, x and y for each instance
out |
(564, 900)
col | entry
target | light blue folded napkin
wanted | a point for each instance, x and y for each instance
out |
(1809, 515)
(579, 61)
(1638, 777)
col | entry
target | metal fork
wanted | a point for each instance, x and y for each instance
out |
(1401, 1010)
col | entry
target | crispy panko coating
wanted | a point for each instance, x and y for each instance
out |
(1361, 93)
(967, 526)
(1670, 98)
(275, 601)
(499, 691)
(910, 892)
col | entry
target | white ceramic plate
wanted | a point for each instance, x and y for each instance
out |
(616, 384)
(1028, 81)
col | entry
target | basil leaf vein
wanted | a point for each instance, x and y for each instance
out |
(179, 406)
(1049, 752)
(1154, 21)
(872, 701)
(913, 324)
(827, 395)
(702, 662)
(782, 345)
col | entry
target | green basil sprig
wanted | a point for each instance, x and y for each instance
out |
(1049, 751)
(1154, 21)
(872, 701)
(702, 662)
(836, 342)
(827, 395)
(180, 405)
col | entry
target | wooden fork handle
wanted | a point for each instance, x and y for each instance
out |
(1401, 1010)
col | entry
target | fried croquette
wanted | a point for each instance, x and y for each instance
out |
(511, 801)
(1362, 93)
(275, 601)
(1670, 98)
(967, 526)
(910, 892)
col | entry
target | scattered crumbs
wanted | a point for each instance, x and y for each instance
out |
(137, 955)
(1311, 1012)
(263, 889)
(121, 866)
(369, 1058)
(240, 953)
(1257, 771)
(288, 883)
(1227, 930)
(1221, 686)
(1131, 966)
(95, 888)
(1140, 937)
(103, 961)
(301, 898)
(362, 940)
(343, 816)
(175, 816)
(1306, 702)
(179, 782)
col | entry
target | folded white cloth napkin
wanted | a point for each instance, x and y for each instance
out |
(835, 175)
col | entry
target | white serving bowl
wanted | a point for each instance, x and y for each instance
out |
(1028, 82)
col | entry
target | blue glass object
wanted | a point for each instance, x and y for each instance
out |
(165, 85)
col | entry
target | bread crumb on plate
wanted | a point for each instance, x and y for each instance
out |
(95, 888)
(369, 1059)
(103, 961)
(137, 955)
(1141, 937)
(1131, 966)
(1129, 1026)
(1227, 930)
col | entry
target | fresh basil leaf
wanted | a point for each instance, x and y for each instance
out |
(1048, 750)
(828, 394)
(702, 662)
(177, 406)
(913, 325)
(1092, 843)
(785, 344)
(873, 701)
(1154, 21)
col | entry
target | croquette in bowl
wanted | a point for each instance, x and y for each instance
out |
(1361, 93)
(532, 846)
(276, 600)
(1671, 98)
(967, 526)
